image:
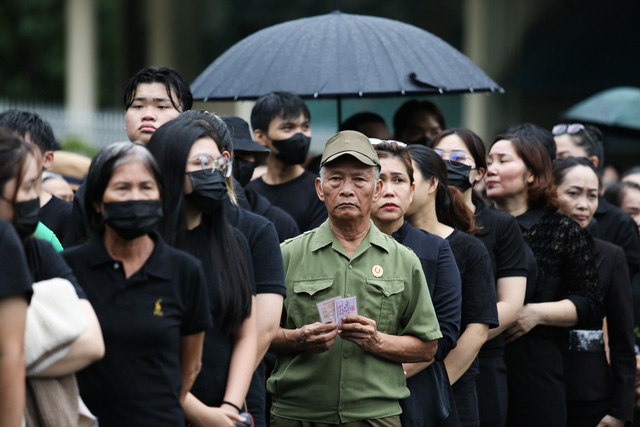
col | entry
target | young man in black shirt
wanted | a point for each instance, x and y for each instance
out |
(55, 213)
(154, 96)
(247, 154)
(280, 122)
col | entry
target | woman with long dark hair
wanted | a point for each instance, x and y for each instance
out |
(599, 391)
(565, 291)
(440, 209)
(193, 156)
(431, 397)
(466, 158)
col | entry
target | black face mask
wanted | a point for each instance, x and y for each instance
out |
(26, 216)
(294, 150)
(243, 170)
(134, 218)
(459, 175)
(209, 190)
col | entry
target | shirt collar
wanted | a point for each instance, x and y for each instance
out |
(401, 233)
(324, 237)
(156, 265)
(530, 218)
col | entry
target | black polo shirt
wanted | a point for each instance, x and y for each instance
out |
(143, 319)
(14, 273)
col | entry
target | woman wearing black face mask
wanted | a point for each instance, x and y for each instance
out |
(19, 199)
(194, 160)
(439, 209)
(465, 155)
(150, 298)
(19, 203)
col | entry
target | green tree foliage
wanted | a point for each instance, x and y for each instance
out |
(32, 49)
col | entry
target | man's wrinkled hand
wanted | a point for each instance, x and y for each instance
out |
(317, 337)
(361, 331)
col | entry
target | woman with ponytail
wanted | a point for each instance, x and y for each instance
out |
(441, 210)
(193, 156)
(466, 158)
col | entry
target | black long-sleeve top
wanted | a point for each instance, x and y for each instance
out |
(565, 265)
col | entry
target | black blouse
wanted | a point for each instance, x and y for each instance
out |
(565, 264)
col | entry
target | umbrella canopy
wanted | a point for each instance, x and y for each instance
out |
(618, 108)
(340, 55)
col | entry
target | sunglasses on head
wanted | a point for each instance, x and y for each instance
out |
(572, 129)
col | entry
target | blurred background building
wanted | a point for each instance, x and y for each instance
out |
(69, 60)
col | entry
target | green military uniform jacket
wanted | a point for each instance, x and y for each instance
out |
(346, 383)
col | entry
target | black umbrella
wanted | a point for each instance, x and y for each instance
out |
(340, 55)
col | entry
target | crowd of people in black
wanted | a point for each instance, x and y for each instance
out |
(170, 303)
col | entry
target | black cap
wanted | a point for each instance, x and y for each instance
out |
(242, 137)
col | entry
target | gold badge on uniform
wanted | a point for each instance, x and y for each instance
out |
(157, 311)
(377, 271)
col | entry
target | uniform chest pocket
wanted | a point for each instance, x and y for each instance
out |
(384, 299)
(303, 308)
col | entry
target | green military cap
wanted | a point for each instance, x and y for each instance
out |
(352, 143)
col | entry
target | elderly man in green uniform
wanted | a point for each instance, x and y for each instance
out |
(357, 306)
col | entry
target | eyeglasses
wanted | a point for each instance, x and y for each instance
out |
(572, 129)
(454, 156)
(209, 164)
(376, 141)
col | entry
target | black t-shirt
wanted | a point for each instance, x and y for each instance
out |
(45, 263)
(143, 319)
(443, 279)
(266, 258)
(211, 383)
(56, 215)
(285, 225)
(298, 197)
(478, 287)
(430, 390)
(501, 235)
(14, 272)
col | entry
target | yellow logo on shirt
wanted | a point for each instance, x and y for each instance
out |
(157, 311)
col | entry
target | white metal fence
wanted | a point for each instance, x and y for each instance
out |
(97, 129)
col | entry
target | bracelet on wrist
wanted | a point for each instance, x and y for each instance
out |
(224, 402)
